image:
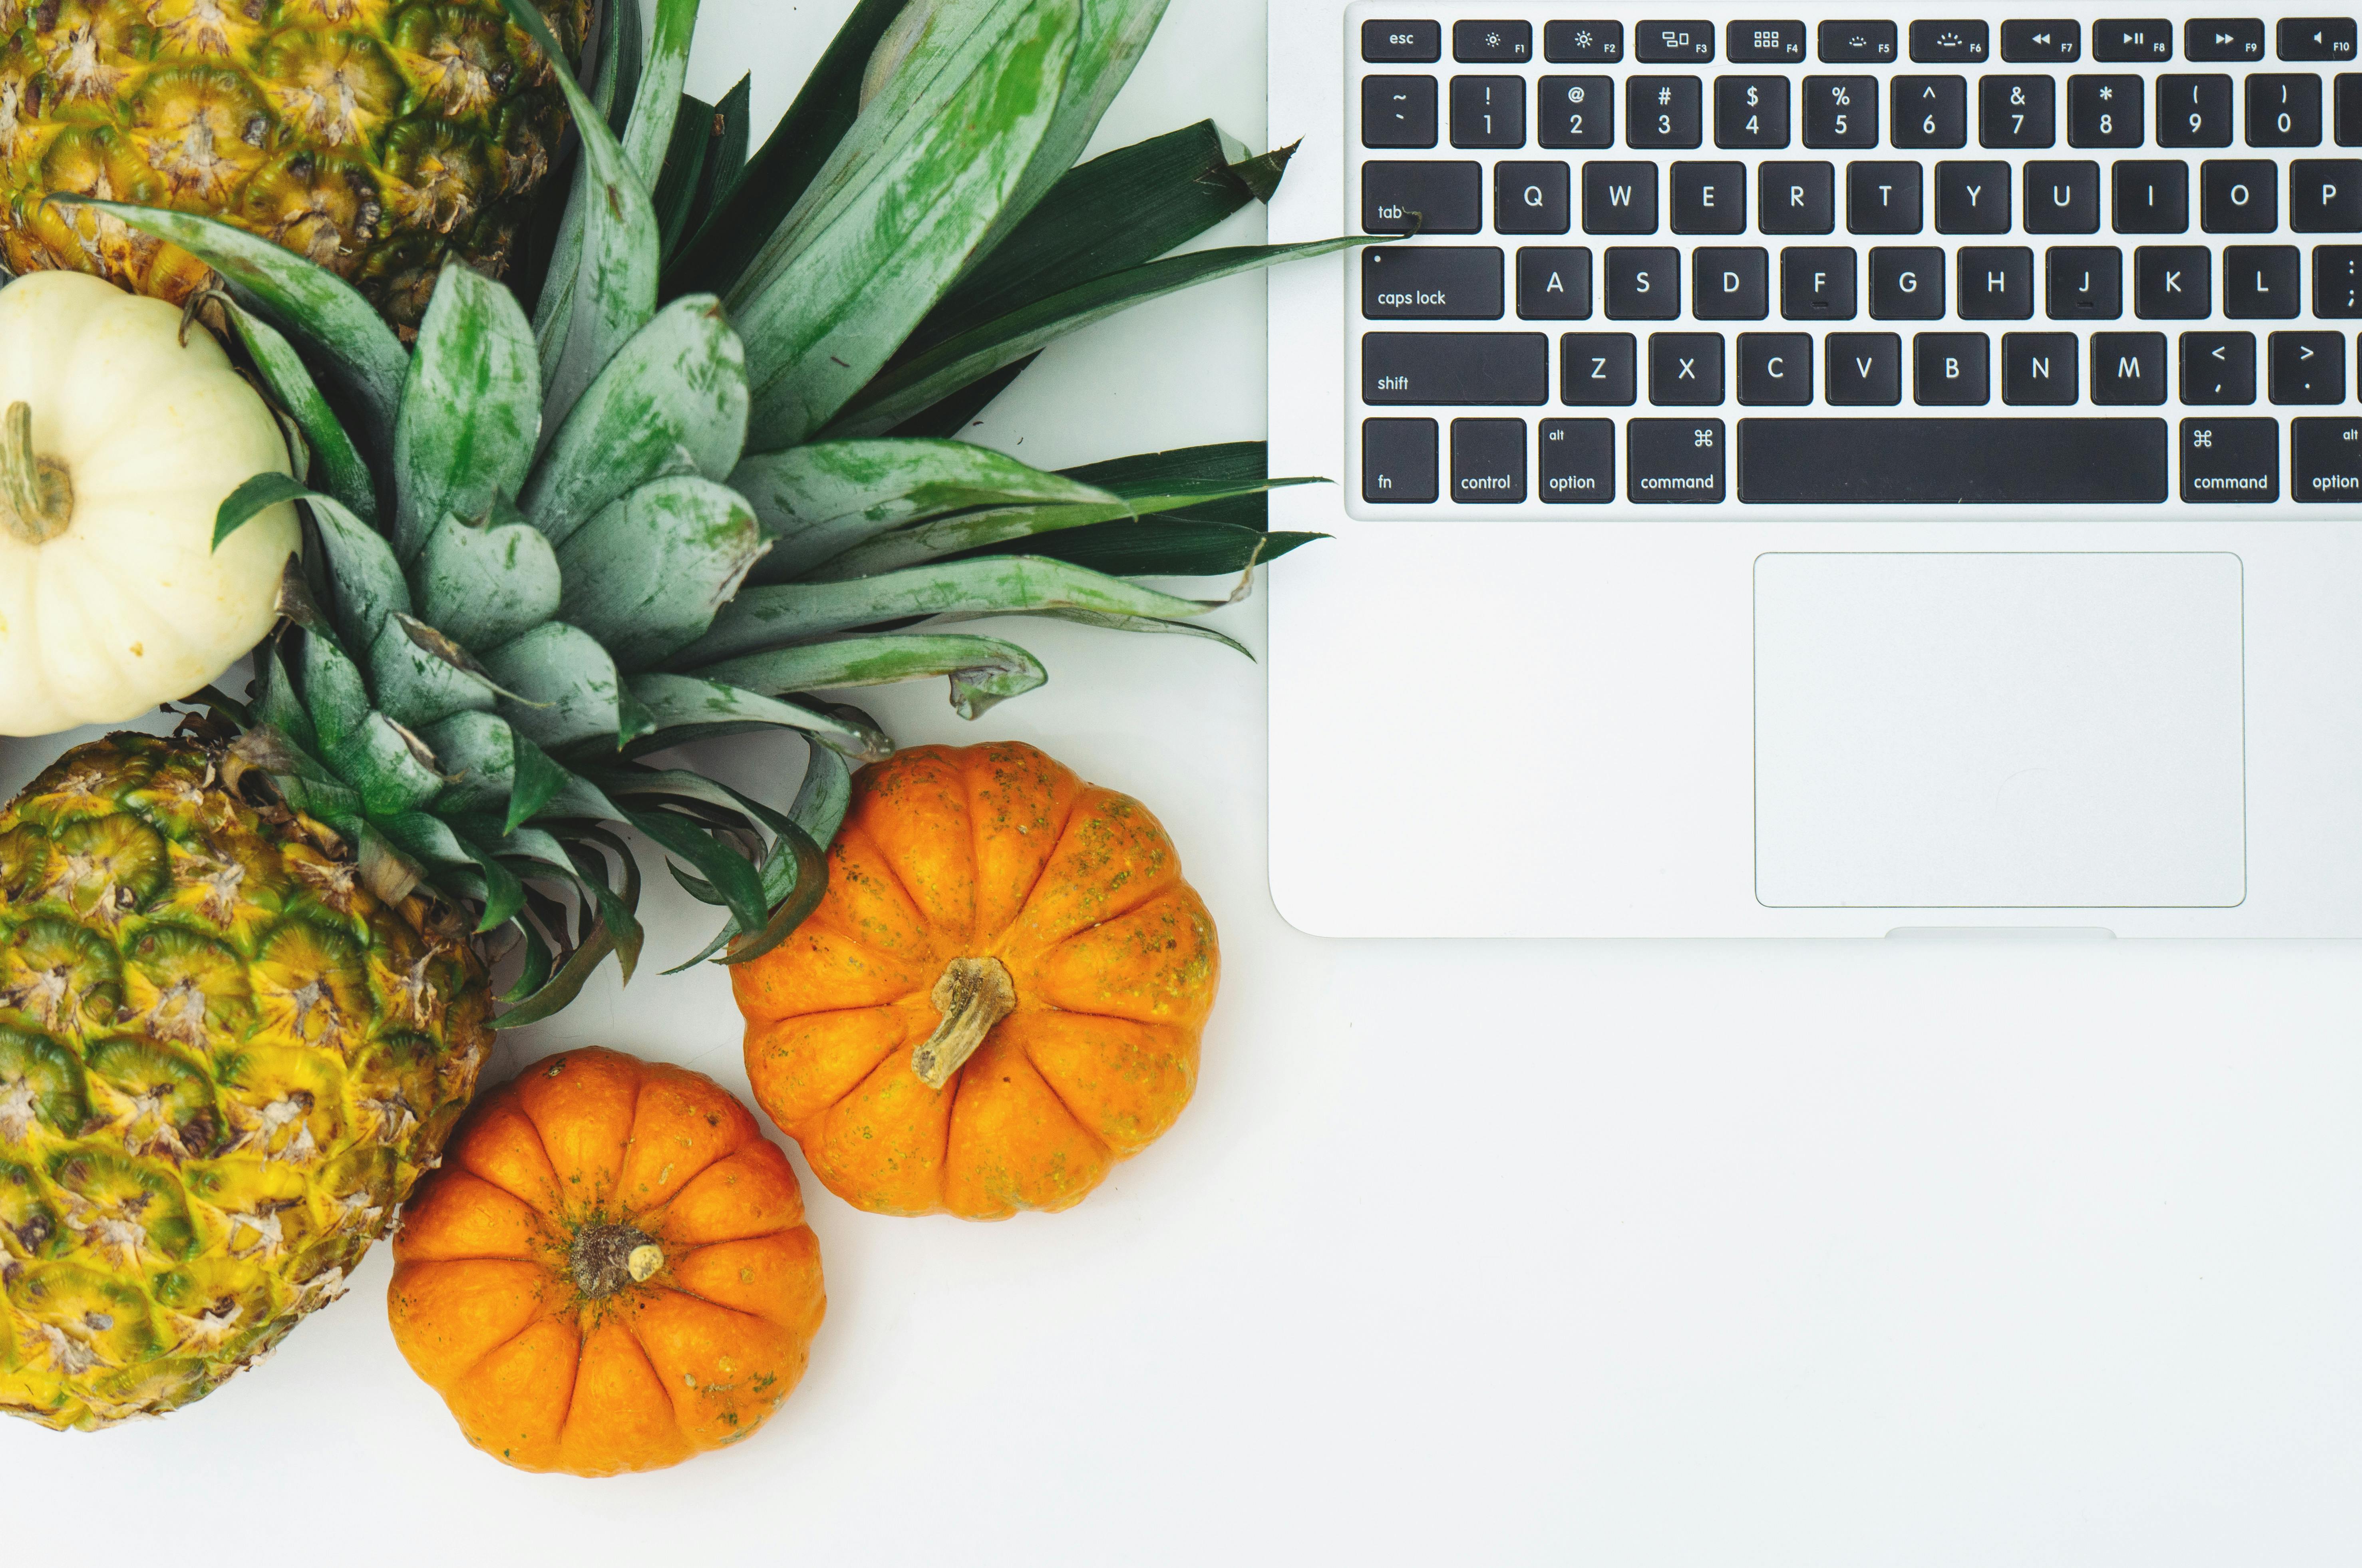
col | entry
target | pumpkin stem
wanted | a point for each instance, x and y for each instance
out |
(974, 995)
(608, 1257)
(36, 493)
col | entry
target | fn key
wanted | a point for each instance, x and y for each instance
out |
(1399, 461)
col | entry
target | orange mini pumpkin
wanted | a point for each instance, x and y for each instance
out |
(999, 996)
(611, 1272)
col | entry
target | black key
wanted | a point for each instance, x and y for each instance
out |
(1431, 282)
(2085, 282)
(2337, 281)
(1578, 461)
(2042, 43)
(1996, 283)
(1555, 283)
(1399, 461)
(1797, 198)
(1817, 282)
(1865, 369)
(2348, 130)
(2148, 38)
(1575, 111)
(2152, 197)
(1951, 370)
(1710, 198)
(2193, 110)
(2105, 110)
(2229, 460)
(1663, 111)
(1972, 198)
(2128, 366)
(2222, 37)
(2017, 111)
(1730, 283)
(1673, 43)
(1891, 461)
(1950, 43)
(1884, 198)
(2040, 368)
(1619, 198)
(1856, 43)
(2328, 455)
(1583, 43)
(1750, 111)
(1409, 43)
(1455, 368)
(1685, 368)
(1906, 283)
(1674, 460)
(1398, 111)
(2259, 281)
(1532, 198)
(1422, 198)
(2284, 111)
(2239, 195)
(1775, 368)
(2062, 198)
(1488, 111)
(1598, 370)
(2308, 367)
(1841, 111)
(2325, 195)
(2218, 368)
(1764, 43)
(1488, 462)
(2173, 283)
(1493, 43)
(1931, 111)
(1644, 283)
(2316, 37)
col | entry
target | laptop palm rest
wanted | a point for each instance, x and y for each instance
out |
(2000, 731)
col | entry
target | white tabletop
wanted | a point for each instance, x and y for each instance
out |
(1926, 1252)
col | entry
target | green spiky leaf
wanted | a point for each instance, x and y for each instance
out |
(482, 584)
(648, 573)
(470, 407)
(983, 670)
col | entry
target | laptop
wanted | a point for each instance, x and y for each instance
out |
(1808, 474)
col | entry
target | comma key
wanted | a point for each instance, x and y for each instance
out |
(1675, 460)
(2328, 460)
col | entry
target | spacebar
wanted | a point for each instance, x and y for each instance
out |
(1897, 461)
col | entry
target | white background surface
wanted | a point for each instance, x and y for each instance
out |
(1904, 1253)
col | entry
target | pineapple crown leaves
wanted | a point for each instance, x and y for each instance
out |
(529, 530)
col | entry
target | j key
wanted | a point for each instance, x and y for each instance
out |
(1972, 198)
(1764, 43)
(2017, 111)
(1532, 198)
(1798, 198)
(1488, 111)
(2173, 283)
(1996, 283)
(2349, 110)
(1883, 198)
(2193, 110)
(2151, 197)
(1408, 43)
(1583, 43)
(1555, 283)
(2056, 42)
(2085, 282)
(2218, 368)
(2128, 368)
(1674, 43)
(2308, 367)
(1455, 368)
(1644, 283)
(2337, 281)
(1488, 462)
(2316, 37)
(1775, 368)
(1399, 461)
(2238, 195)
(2062, 198)
(1675, 459)
(2222, 37)
(1864, 369)
(1750, 111)
(2041, 368)
(1906, 283)
(1817, 282)
(1619, 198)
(1431, 282)
(1575, 111)
(2149, 38)
(2325, 195)
(1398, 111)
(1730, 283)
(1598, 370)
(2284, 111)
(1578, 462)
(2328, 454)
(2105, 110)
(2259, 281)
(1841, 111)
(1951, 370)
(1856, 43)
(1949, 43)
(1422, 198)
(1493, 43)
(1710, 198)
(1931, 111)
(2229, 460)
(1663, 112)
(1685, 368)
(1895, 461)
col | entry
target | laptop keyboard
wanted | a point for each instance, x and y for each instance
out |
(2033, 260)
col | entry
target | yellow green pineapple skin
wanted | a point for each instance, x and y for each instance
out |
(373, 138)
(223, 1064)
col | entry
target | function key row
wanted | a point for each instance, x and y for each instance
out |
(1962, 42)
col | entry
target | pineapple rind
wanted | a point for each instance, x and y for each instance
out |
(224, 1063)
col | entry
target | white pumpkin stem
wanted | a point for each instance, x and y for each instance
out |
(973, 995)
(38, 491)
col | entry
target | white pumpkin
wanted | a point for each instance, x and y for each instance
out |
(112, 597)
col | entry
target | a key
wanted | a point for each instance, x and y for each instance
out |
(2337, 281)
(2055, 42)
(1578, 461)
(1619, 198)
(2152, 197)
(1930, 111)
(1972, 198)
(2284, 111)
(1685, 368)
(1493, 43)
(1817, 282)
(2146, 39)
(1951, 370)
(2316, 37)
(2238, 195)
(1764, 43)
(1575, 111)
(1422, 198)
(2222, 37)
(2325, 195)
(1996, 283)
(1488, 111)
(1730, 283)
(2259, 281)
(1950, 43)
(1675, 460)
(1775, 368)
(1555, 283)
(1532, 198)
(2062, 198)
(2193, 110)
(1455, 368)
(1883, 198)
(2127, 367)
(2308, 367)
(2173, 283)
(2218, 368)
(1398, 111)
(1797, 198)
(2105, 110)
(1488, 462)
(2231, 459)
(1406, 43)
(1906, 283)
(2017, 111)
(2041, 368)
(1663, 112)
(1583, 43)
(1856, 43)
(1710, 198)
(1643, 282)
(1865, 368)
(1399, 461)
(2032, 459)
(2083, 282)
(1431, 282)
(1598, 370)
(2328, 460)
(1750, 111)
(1841, 111)
(1673, 43)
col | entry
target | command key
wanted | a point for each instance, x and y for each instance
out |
(1674, 460)
(2328, 464)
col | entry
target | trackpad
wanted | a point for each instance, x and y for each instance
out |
(1999, 731)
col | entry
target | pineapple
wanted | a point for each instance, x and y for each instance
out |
(705, 489)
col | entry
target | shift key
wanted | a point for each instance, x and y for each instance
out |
(1456, 369)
